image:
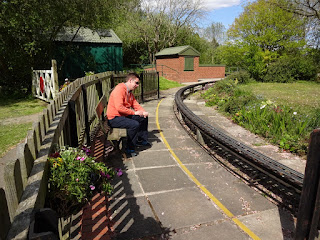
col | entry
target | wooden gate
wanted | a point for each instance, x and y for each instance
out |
(45, 84)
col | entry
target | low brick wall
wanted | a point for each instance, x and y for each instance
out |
(173, 69)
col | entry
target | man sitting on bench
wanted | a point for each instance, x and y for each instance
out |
(124, 111)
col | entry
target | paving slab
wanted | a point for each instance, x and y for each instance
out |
(126, 186)
(265, 224)
(242, 200)
(220, 230)
(184, 208)
(163, 179)
(133, 218)
(193, 155)
(149, 159)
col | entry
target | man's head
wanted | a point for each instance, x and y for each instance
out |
(132, 81)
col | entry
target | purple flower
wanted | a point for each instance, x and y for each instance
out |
(108, 176)
(77, 179)
(119, 172)
(82, 159)
(86, 150)
(92, 187)
(78, 158)
(103, 174)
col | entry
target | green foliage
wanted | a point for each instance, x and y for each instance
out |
(291, 68)
(241, 76)
(28, 29)
(269, 43)
(269, 27)
(281, 124)
(74, 177)
(219, 93)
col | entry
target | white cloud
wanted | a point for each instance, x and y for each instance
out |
(216, 4)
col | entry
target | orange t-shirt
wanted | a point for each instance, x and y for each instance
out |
(122, 102)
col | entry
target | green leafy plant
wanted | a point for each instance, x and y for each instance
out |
(283, 124)
(280, 124)
(241, 76)
(75, 177)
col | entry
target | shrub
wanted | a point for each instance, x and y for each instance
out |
(227, 96)
(289, 69)
(241, 76)
(219, 92)
(74, 177)
(239, 99)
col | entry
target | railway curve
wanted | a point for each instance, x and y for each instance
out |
(210, 137)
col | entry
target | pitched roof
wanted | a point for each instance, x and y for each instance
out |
(181, 50)
(87, 35)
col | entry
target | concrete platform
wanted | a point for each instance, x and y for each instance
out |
(175, 190)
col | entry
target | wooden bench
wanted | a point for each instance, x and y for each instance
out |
(115, 135)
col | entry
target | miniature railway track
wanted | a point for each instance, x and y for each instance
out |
(278, 181)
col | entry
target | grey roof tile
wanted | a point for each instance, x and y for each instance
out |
(88, 35)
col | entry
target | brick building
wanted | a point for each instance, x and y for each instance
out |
(181, 64)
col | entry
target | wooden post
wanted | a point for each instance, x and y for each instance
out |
(141, 84)
(73, 132)
(85, 108)
(54, 79)
(99, 89)
(112, 81)
(308, 200)
(4, 216)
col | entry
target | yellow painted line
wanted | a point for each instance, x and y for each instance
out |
(209, 194)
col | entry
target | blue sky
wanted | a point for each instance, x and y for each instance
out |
(224, 11)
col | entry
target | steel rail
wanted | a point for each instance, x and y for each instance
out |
(272, 168)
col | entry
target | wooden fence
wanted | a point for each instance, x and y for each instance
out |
(69, 120)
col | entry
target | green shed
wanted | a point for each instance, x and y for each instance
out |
(78, 51)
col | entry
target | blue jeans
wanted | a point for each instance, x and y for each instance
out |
(137, 128)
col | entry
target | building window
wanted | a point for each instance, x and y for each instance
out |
(188, 64)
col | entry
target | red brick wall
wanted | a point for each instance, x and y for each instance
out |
(212, 72)
(165, 67)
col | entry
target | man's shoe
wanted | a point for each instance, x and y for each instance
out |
(144, 143)
(129, 151)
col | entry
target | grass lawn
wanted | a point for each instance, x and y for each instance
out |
(302, 96)
(17, 108)
(12, 134)
(167, 84)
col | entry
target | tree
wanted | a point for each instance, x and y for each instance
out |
(269, 27)
(309, 9)
(157, 23)
(28, 28)
(215, 33)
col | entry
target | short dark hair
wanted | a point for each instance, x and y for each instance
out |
(132, 75)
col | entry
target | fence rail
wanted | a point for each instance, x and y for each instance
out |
(69, 120)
